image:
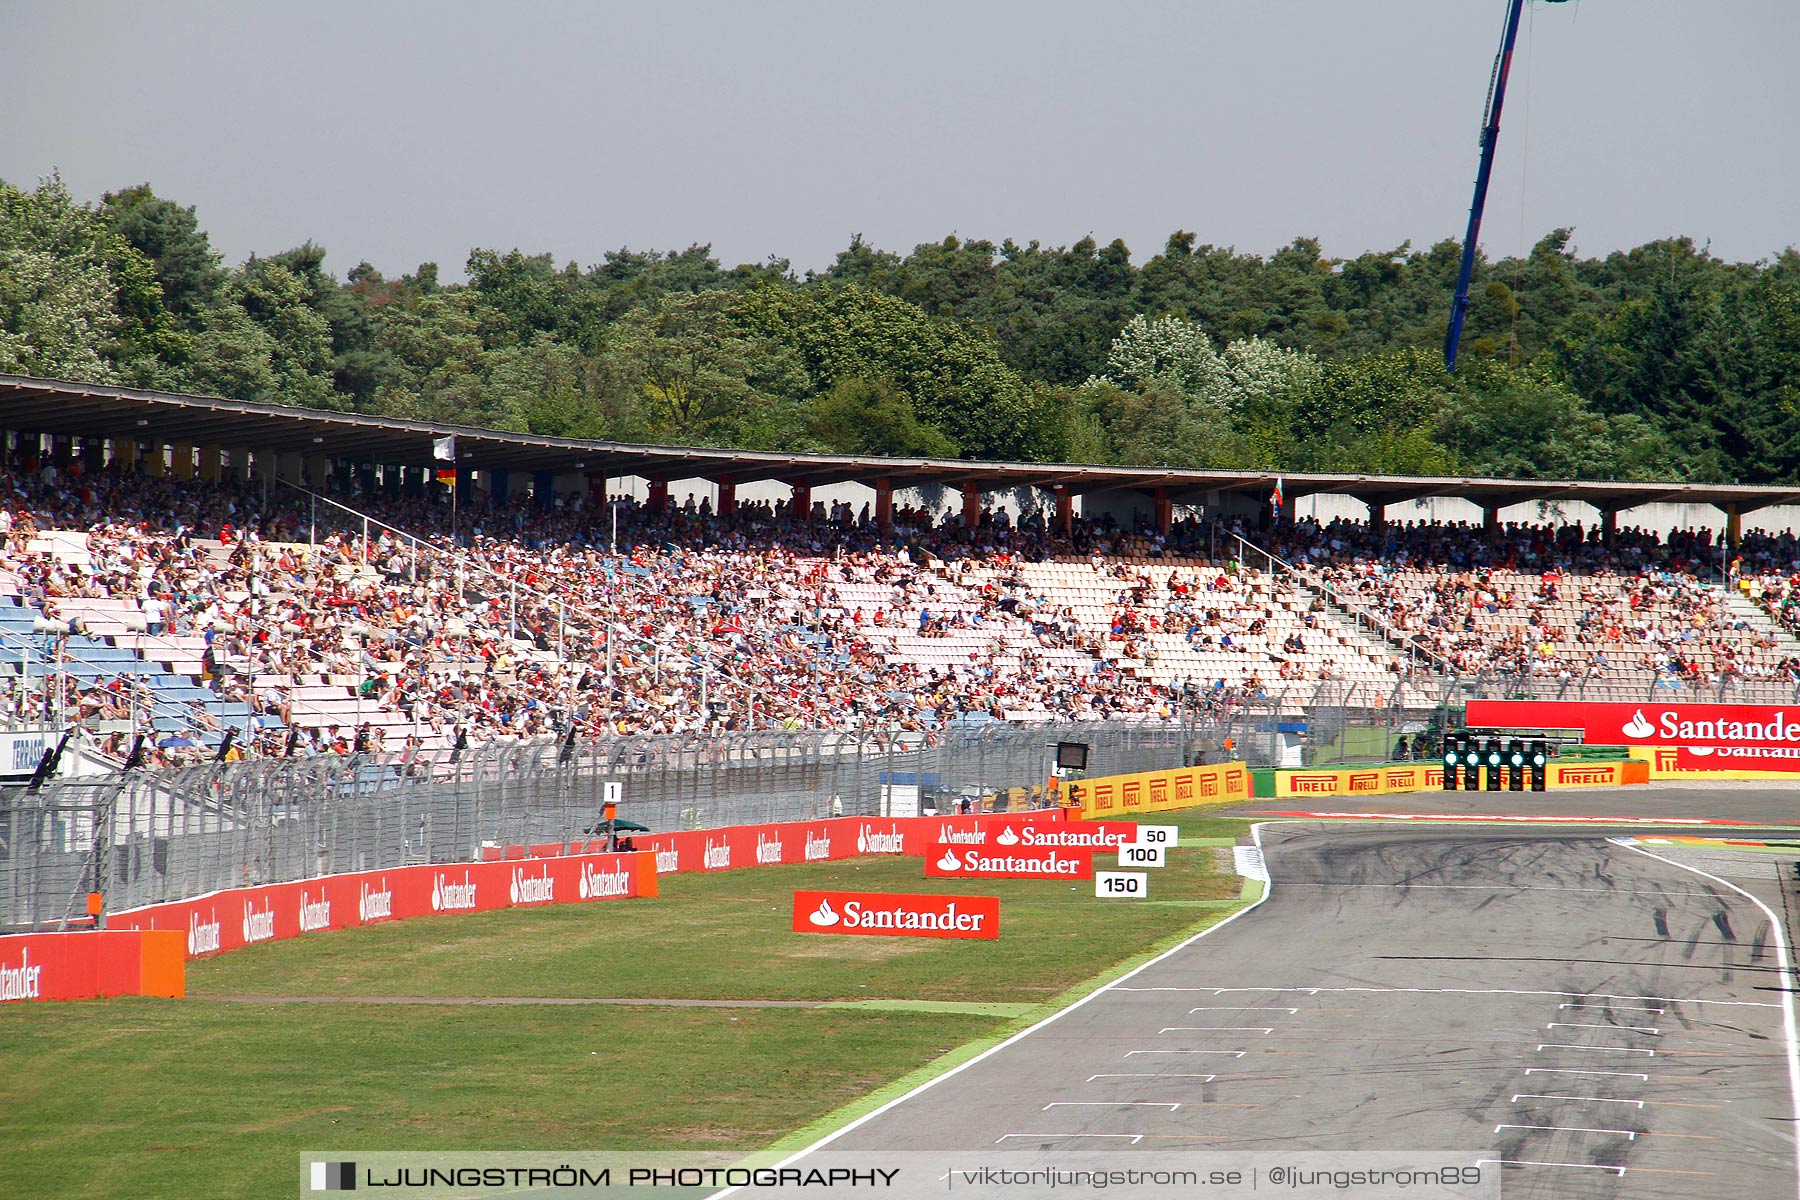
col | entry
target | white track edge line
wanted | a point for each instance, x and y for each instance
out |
(1789, 1026)
(1268, 889)
(1220, 991)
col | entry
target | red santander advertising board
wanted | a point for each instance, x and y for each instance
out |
(1735, 758)
(230, 920)
(981, 862)
(1029, 831)
(1650, 723)
(733, 846)
(832, 838)
(896, 914)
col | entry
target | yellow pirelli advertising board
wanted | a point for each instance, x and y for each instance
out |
(1707, 762)
(1357, 781)
(1425, 777)
(1590, 774)
(1110, 797)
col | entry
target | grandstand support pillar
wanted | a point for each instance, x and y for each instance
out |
(318, 469)
(240, 463)
(884, 503)
(1490, 518)
(500, 486)
(93, 455)
(154, 462)
(124, 454)
(971, 514)
(392, 479)
(658, 500)
(727, 505)
(287, 466)
(1165, 511)
(183, 463)
(1065, 508)
(210, 464)
(1734, 526)
(543, 490)
(802, 502)
(1377, 514)
(1609, 525)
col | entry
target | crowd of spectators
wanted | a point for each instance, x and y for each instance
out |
(1562, 603)
(1765, 569)
(528, 621)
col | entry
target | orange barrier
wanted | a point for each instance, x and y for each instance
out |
(82, 966)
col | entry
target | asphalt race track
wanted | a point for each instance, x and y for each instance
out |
(1753, 803)
(1585, 1018)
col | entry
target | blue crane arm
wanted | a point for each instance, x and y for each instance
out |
(1490, 137)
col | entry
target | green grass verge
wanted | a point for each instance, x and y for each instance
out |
(214, 1097)
(136, 1098)
(728, 936)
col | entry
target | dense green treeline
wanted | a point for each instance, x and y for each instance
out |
(1656, 362)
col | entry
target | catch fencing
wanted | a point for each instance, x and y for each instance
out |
(1362, 723)
(151, 837)
(1636, 688)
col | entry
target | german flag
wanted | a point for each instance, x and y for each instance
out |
(447, 476)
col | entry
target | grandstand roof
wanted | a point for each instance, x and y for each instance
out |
(101, 411)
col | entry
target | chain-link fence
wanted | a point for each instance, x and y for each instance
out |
(1635, 688)
(1362, 722)
(1357, 722)
(144, 838)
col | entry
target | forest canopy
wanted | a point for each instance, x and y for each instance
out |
(1652, 363)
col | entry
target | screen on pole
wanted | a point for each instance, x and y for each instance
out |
(1071, 756)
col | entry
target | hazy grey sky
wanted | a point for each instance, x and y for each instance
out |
(407, 132)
